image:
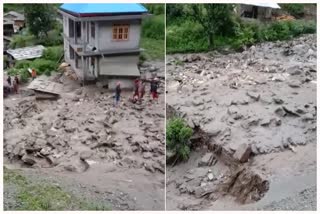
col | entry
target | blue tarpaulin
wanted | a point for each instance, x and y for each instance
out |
(104, 8)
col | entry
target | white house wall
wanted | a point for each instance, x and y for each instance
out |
(105, 41)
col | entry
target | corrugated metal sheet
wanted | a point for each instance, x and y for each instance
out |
(119, 66)
(26, 53)
(266, 4)
(104, 8)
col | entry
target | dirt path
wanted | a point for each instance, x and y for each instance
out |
(83, 138)
(263, 99)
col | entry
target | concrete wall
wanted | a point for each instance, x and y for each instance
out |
(105, 35)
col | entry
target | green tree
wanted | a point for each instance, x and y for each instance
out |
(214, 18)
(40, 18)
(178, 135)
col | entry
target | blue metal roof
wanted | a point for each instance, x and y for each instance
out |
(104, 8)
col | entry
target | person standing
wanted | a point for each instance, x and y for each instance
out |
(154, 88)
(16, 84)
(118, 93)
(9, 80)
(33, 74)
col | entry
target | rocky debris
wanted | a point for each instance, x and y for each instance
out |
(294, 84)
(246, 186)
(207, 160)
(28, 160)
(253, 95)
(243, 153)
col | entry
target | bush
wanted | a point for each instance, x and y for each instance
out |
(186, 37)
(153, 27)
(20, 41)
(22, 73)
(296, 10)
(53, 53)
(178, 135)
(43, 66)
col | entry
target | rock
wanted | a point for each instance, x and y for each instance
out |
(206, 160)
(243, 153)
(113, 120)
(147, 155)
(210, 177)
(28, 159)
(197, 102)
(149, 168)
(308, 117)
(278, 101)
(76, 99)
(290, 110)
(265, 122)
(85, 155)
(45, 151)
(280, 112)
(70, 168)
(253, 95)
(214, 132)
(294, 84)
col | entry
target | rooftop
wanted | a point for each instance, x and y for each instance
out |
(13, 15)
(31, 52)
(105, 9)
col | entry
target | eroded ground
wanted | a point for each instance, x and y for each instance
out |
(257, 109)
(82, 138)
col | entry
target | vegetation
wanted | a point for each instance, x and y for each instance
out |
(296, 10)
(199, 28)
(40, 18)
(153, 33)
(178, 135)
(44, 195)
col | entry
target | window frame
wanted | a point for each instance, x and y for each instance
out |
(93, 30)
(119, 36)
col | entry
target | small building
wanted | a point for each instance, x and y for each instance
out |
(31, 52)
(8, 28)
(101, 41)
(17, 19)
(260, 11)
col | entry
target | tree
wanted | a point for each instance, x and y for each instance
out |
(214, 18)
(40, 18)
(178, 135)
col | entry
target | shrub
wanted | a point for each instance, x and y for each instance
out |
(186, 37)
(153, 27)
(53, 53)
(43, 66)
(22, 73)
(20, 41)
(178, 135)
(296, 10)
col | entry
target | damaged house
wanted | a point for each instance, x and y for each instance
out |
(260, 11)
(101, 41)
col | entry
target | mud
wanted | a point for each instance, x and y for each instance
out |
(84, 134)
(263, 98)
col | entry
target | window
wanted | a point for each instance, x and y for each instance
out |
(78, 29)
(120, 32)
(71, 52)
(93, 29)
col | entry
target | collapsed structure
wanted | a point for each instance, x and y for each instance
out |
(101, 41)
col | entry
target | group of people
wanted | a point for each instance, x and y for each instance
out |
(12, 85)
(139, 90)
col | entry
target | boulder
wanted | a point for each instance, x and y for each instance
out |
(243, 153)
(206, 160)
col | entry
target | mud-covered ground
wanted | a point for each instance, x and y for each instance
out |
(83, 137)
(262, 100)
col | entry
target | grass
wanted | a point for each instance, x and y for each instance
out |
(154, 48)
(45, 196)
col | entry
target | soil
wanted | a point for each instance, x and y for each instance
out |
(83, 138)
(257, 109)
